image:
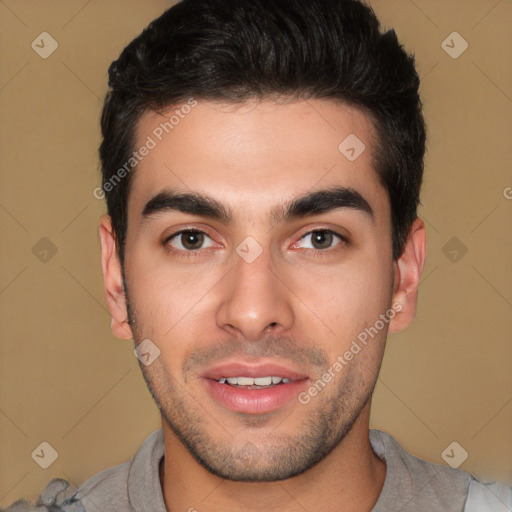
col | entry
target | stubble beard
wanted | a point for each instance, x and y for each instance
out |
(279, 457)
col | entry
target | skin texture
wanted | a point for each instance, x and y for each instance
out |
(296, 304)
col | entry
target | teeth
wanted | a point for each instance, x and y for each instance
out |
(249, 381)
(244, 381)
(263, 381)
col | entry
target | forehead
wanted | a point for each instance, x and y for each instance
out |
(255, 156)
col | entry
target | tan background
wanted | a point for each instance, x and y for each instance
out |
(65, 379)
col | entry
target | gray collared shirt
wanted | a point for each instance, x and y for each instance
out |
(411, 485)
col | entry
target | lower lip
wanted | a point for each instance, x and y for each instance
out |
(255, 401)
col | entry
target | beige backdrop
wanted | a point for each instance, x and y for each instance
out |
(67, 381)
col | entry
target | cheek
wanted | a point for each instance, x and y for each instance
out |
(172, 305)
(165, 289)
(345, 296)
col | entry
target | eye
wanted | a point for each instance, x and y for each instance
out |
(321, 239)
(188, 240)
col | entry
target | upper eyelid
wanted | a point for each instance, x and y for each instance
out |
(328, 230)
(343, 239)
(186, 230)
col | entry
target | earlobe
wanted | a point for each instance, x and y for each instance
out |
(113, 280)
(408, 270)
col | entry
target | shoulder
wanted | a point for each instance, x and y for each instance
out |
(387, 447)
(107, 491)
(417, 484)
(57, 496)
(124, 487)
(489, 497)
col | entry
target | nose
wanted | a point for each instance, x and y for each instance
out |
(255, 300)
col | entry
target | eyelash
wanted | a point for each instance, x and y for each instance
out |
(186, 254)
(193, 253)
(324, 252)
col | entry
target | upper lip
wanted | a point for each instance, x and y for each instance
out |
(254, 370)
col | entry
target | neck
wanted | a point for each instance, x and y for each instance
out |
(350, 478)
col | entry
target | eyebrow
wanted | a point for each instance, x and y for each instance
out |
(317, 202)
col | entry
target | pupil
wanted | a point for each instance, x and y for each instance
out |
(323, 239)
(192, 240)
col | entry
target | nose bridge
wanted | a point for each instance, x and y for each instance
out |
(254, 299)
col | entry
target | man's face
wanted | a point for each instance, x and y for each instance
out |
(256, 294)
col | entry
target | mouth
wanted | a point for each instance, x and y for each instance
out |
(253, 389)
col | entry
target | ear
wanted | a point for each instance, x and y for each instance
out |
(408, 270)
(113, 280)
